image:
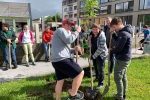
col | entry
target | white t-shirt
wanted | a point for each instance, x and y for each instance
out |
(26, 37)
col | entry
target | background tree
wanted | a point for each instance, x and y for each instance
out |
(91, 9)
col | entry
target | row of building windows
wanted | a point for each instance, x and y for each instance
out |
(71, 16)
(66, 2)
(71, 8)
(143, 4)
(124, 7)
(121, 7)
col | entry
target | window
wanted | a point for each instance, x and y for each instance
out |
(105, 9)
(81, 4)
(144, 4)
(64, 2)
(119, 7)
(126, 19)
(124, 7)
(70, 16)
(103, 1)
(145, 19)
(75, 7)
(130, 5)
(65, 9)
(75, 15)
(70, 8)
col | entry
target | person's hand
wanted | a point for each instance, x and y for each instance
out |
(78, 49)
(78, 28)
(9, 41)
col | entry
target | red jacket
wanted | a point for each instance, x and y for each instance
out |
(47, 36)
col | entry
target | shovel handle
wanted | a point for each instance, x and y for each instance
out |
(9, 54)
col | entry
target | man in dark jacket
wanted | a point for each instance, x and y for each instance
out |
(8, 37)
(122, 50)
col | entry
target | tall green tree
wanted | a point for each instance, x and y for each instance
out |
(55, 18)
(91, 7)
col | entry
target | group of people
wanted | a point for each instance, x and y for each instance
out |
(26, 39)
(114, 41)
(8, 41)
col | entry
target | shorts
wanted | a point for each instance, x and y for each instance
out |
(66, 68)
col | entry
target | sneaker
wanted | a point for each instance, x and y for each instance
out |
(27, 65)
(78, 96)
(5, 69)
(140, 49)
(15, 66)
(33, 63)
(124, 97)
(118, 98)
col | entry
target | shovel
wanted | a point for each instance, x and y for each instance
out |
(91, 93)
(9, 54)
(106, 89)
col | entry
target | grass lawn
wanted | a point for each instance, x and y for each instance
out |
(41, 88)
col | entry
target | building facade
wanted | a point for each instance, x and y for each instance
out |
(15, 14)
(70, 9)
(132, 12)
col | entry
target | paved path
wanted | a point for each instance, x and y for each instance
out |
(41, 68)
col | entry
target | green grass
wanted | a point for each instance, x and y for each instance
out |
(39, 89)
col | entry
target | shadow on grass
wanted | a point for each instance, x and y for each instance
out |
(5, 98)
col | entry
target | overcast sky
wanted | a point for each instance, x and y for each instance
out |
(42, 7)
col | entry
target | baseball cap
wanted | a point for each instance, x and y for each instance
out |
(69, 22)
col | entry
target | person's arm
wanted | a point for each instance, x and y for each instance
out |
(66, 37)
(3, 37)
(13, 37)
(101, 47)
(120, 43)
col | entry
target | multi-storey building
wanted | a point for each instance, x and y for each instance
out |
(69, 9)
(131, 11)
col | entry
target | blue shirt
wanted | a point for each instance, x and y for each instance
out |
(146, 33)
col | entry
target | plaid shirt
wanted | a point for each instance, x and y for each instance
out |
(102, 50)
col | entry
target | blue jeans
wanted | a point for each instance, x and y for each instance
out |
(99, 69)
(46, 50)
(6, 55)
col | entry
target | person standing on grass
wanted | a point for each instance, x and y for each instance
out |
(46, 38)
(108, 34)
(99, 52)
(146, 32)
(8, 38)
(64, 65)
(26, 38)
(122, 50)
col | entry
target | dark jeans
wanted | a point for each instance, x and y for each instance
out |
(112, 62)
(6, 55)
(46, 50)
(99, 69)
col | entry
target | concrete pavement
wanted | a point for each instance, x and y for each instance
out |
(41, 68)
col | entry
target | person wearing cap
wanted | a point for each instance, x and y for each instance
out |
(46, 39)
(99, 52)
(64, 65)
